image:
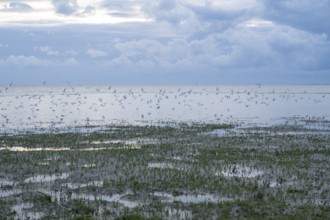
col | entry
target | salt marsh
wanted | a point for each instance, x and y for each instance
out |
(202, 161)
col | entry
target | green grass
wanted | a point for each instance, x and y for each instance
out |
(298, 163)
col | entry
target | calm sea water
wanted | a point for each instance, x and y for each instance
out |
(35, 107)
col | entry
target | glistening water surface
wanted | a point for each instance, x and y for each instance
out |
(33, 107)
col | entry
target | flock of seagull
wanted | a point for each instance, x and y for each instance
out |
(81, 105)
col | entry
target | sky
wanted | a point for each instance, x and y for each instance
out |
(172, 42)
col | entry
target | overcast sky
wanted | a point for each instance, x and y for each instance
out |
(165, 41)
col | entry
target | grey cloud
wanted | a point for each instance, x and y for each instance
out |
(88, 11)
(93, 53)
(65, 7)
(194, 38)
(18, 7)
(309, 15)
(210, 14)
(237, 47)
(167, 10)
(122, 14)
(176, 16)
(124, 8)
(116, 4)
(48, 50)
(121, 6)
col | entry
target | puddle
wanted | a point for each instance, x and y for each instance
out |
(43, 163)
(176, 158)
(135, 146)
(117, 198)
(6, 182)
(7, 193)
(27, 149)
(241, 171)
(199, 198)
(21, 212)
(227, 132)
(6, 188)
(46, 178)
(125, 142)
(81, 185)
(162, 165)
(302, 133)
(51, 158)
(111, 148)
(321, 127)
(218, 132)
(89, 165)
(60, 196)
(274, 183)
(94, 149)
(179, 214)
(243, 131)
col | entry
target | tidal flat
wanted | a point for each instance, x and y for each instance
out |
(169, 171)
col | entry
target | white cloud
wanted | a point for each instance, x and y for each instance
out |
(49, 13)
(16, 6)
(22, 61)
(70, 52)
(71, 61)
(96, 53)
(48, 50)
(259, 23)
(65, 7)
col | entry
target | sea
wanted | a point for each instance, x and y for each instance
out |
(62, 108)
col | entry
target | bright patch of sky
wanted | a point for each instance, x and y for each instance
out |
(164, 41)
(60, 12)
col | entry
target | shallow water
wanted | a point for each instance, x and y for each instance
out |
(241, 171)
(22, 211)
(59, 196)
(6, 182)
(198, 198)
(46, 178)
(10, 192)
(28, 149)
(81, 185)
(161, 165)
(58, 107)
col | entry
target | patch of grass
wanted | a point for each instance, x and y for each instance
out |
(137, 217)
(80, 209)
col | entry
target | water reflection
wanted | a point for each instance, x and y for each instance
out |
(241, 171)
(198, 198)
(51, 107)
(46, 178)
(23, 211)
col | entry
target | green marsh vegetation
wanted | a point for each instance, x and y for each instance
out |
(175, 171)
